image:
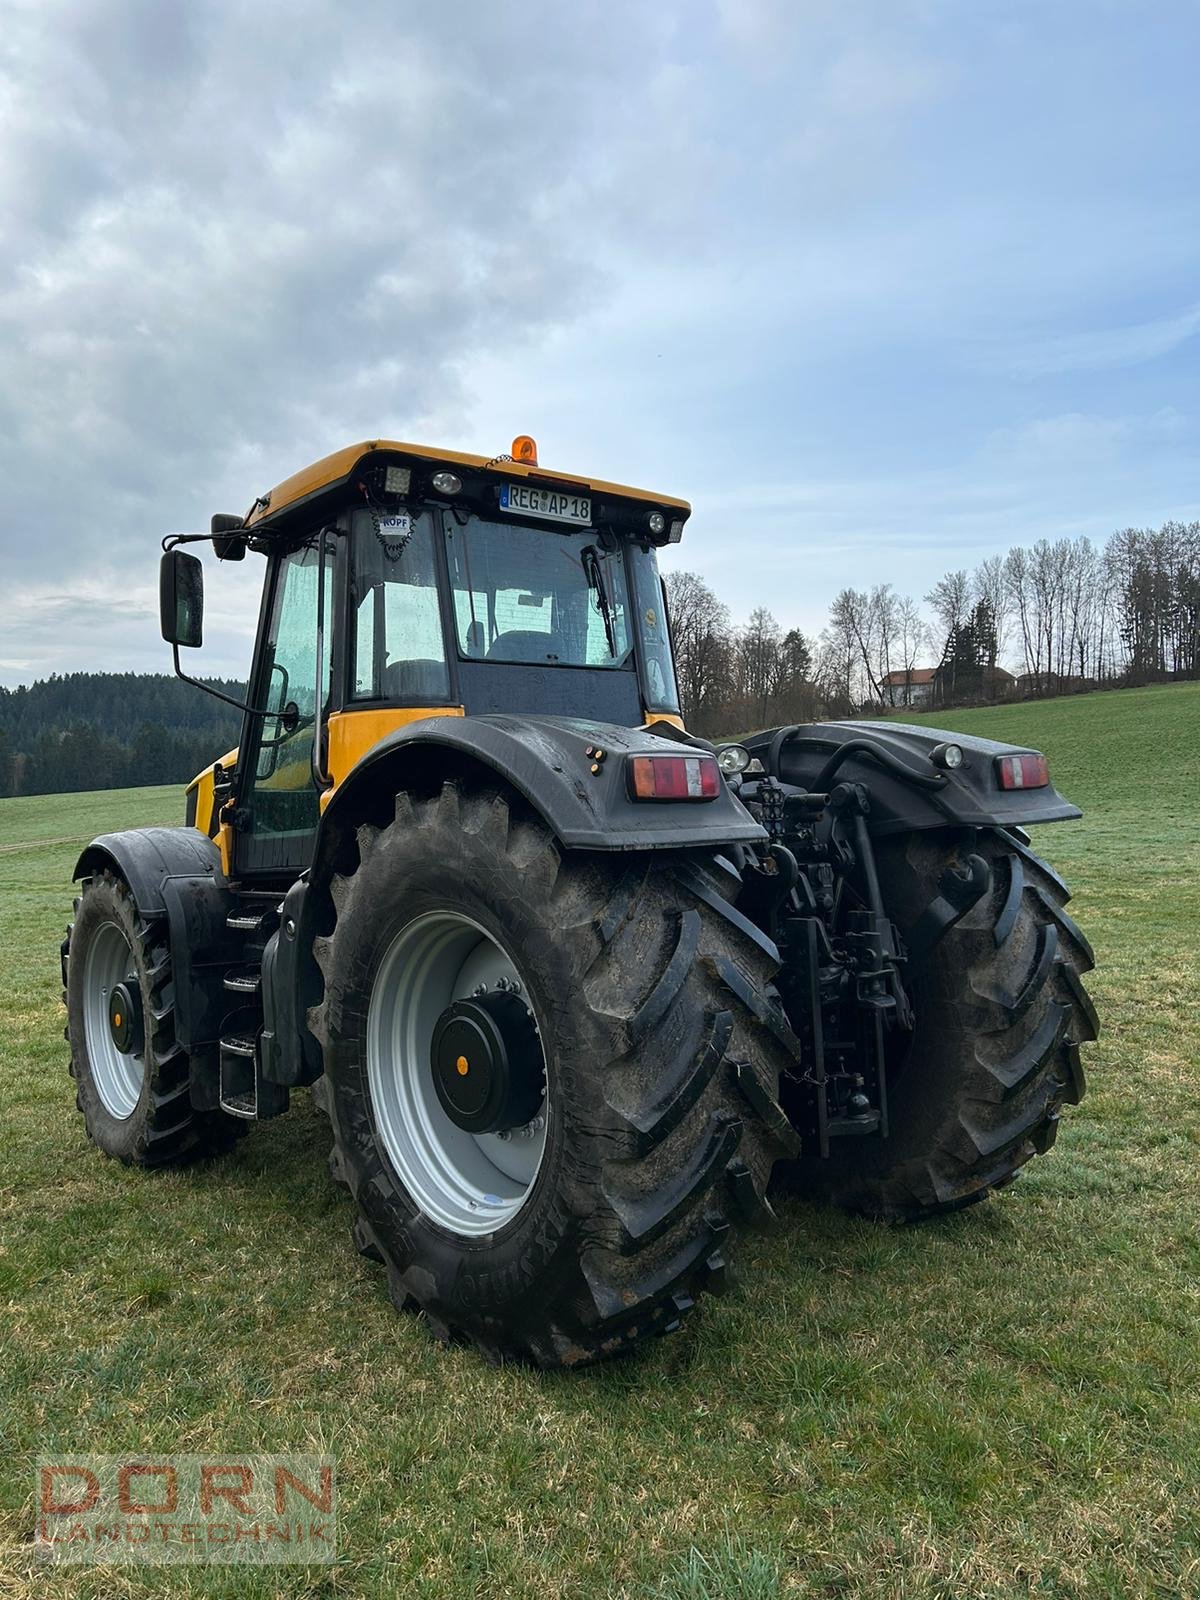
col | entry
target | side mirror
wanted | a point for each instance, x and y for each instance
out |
(229, 537)
(181, 599)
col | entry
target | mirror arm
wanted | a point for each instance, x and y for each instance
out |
(218, 694)
(170, 540)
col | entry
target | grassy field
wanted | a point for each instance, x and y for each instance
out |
(1004, 1403)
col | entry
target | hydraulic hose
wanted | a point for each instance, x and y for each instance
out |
(862, 747)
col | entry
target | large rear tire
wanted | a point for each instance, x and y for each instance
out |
(1000, 1011)
(660, 1080)
(136, 1101)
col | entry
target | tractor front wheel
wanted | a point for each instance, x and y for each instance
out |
(132, 1079)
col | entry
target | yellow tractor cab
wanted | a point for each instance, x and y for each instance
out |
(405, 583)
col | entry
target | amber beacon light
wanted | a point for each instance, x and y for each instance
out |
(525, 449)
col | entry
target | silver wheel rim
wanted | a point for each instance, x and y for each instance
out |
(471, 1184)
(118, 1078)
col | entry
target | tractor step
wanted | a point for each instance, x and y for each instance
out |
(244, 1091)
(247, 981)
(249, 921)
(851, 1127)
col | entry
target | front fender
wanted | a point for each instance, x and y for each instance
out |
(147, 857)
(175, 874)
(546, 760)
(969, 796)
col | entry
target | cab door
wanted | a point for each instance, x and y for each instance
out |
(279, 794)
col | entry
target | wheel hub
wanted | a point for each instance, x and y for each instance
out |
(487, 1063)
(125, 1022)
(468, 1183)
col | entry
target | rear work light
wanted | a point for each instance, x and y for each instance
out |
(1030, 771)
(674, 778)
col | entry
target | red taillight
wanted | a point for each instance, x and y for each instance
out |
(1030, 771)
(674, 778)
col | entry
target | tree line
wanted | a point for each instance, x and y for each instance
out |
(1053, 617)
(1062, 615)
(110, 730)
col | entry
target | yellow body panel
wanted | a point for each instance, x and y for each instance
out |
(353, 733)
(330, 469)
(202, 786)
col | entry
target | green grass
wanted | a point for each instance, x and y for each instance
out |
(1003, 1403)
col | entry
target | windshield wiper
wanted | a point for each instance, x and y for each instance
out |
(593, 571)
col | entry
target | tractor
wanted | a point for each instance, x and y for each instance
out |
(578, 991)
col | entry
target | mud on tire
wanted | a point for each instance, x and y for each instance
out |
(664, 1124)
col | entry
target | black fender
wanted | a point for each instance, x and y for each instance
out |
(176, 873)
(581, 797)
(908, 791)
(546, 760)
(147, 857)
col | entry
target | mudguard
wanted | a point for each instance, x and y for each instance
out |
(147, 857)
(582, 798)
(176, 873)
(930, 797)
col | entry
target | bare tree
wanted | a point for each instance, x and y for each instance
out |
(950, 598)
(912, 635)
(989, 586)
(885, 609)
(758, 652)
(834, 669)
(701, 635)
(854, 617)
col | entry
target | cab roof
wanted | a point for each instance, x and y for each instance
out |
(333, 471)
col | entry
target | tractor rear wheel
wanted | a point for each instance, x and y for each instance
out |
(132, 1079)
(1000, 1013)
(551, 1079)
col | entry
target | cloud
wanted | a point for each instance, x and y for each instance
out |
(757, 248)
(1099, 349)
(235, 237)
(240, 227)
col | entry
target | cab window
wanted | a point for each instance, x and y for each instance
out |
(543, 598)
(284, 795)
(397, 649)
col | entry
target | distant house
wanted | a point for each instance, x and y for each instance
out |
(932, 686)
(912, 688)
(980, 683)
(998, 683)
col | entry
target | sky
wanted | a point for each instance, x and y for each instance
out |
(882, 287)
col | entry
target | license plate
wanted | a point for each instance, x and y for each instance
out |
(523, 500)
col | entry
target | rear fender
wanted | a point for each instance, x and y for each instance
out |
(968, 796)
(546, 761)
(581, 797)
